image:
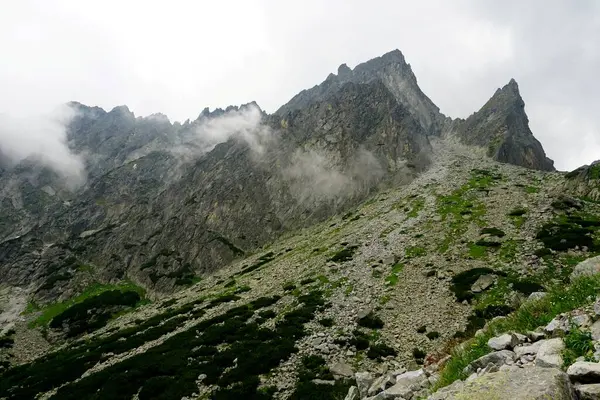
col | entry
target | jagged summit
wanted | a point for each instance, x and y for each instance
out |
(502, 127)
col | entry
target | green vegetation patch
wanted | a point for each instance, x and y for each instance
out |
(531, 315)
(578, 343)
(570, 231)
(415, 251)
(345, 254)
(493, 232)
(371, 321)
(262, 260)
(393, 278)
(314, 367)
(170, 370)
(416, 207)
(52, 310)
(94, 312)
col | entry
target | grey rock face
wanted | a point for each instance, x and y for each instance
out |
(588, 267)
(584, 181)
(483, 282)
(530, 383)
(588, 392)
(502, 127)
(584, 372)
(497, 358)
(503, 342)
(549, 353)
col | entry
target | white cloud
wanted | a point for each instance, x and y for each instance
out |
(178, 57)
(44, 138)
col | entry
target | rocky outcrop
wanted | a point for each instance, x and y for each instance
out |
(584, 182)
(502, 127)
(392, 70)
(515, 383)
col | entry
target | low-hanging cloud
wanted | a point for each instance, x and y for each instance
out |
(42, 138)
(244, 124)
(316, 176)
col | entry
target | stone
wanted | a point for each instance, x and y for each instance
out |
(341, 370)
(398, 371)
(416, 377)
(398, 390)
(536, 296)
(502, 342)
(364, 380)
(584, 372)
(595, 330)
(363, 313)
(581, 320)
(531, 383)
(381, 383)
(549, 353)
(559, 324)
(588, 267)
(588, 392)
(323, 382)
(498, 358)
(534, 336)
(352, 394)
(483, 282)
(597, 307)
(527, 349)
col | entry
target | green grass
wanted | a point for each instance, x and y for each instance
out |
(417, 206)
(392, 279)
(560, 299)
(415, 251)
(476, 251)
(532, 189)
(577, 344)
(52, 310)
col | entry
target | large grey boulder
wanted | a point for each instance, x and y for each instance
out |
(382, 383)
(527, 349)
(498, 358)
(588, 267)
(585, 372)
(352, 394)
(483, 282)
(530, 383)
(342, 370)
(549, 353)
(364, 380)
(588, 392)
(503, 342)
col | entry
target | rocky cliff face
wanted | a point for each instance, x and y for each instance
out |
(502, 127)
(167, 202)
(584, 181)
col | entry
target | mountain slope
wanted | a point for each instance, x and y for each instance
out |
(407, 258)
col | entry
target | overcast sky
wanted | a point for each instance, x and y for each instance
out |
(177, 57)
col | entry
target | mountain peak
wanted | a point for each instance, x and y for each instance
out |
(502, 126)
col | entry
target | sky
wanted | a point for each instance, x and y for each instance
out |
(177, 57)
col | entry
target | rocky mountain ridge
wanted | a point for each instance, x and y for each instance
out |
(167, 202)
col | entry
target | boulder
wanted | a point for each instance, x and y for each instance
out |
(364, 380)
(595, 330)
(497, 358)
(588, 267)
(483, 282)
(352, 394)
(549, 353)
(381, 383)
(503, 342)
(530, 383)
(417, 377)
(536, 296)
(584, 372)
(527, 349)
(342, 370)
(588, 392)
(560, 323)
